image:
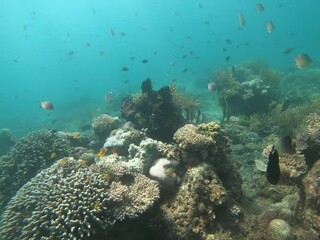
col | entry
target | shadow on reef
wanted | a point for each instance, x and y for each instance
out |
(154, 110)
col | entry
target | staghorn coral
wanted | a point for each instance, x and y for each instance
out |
(72, 201)
(279, 229)
(30, 155)
(207, 140)
(103, 125)
(191, 212)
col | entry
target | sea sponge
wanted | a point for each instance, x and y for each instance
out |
(163, 171)
(70, 200)
(279, 229)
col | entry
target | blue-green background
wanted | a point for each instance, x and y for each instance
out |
(36, 38)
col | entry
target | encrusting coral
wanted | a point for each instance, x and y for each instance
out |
(71, 200)
(207, 140)
(191, 214)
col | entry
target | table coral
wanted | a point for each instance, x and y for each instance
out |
(72, 201)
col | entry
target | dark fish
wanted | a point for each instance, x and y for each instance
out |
(185, 70)
(122, 34)
(132, 58)
(286, 145)
(207, 23)
(71, 53)
(228, 41)
(144, 61)
(184, 56)
(288, 50)
(224, 49)
(124, 69)
(112, 33)
(126, 81)
(273, 168)
(228, 58)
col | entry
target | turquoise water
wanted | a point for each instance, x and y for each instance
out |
(62, 51)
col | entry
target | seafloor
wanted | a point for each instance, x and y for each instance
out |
(174, 163)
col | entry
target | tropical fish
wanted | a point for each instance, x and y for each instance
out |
(242, 22)
(259, 7)
(212, 86)
(53, 155)
(273, 168)
(302, 60)
(76, 135)
(288, 50)
(108, 97)
(286, 145)
(46, 105)
(270, 27)
(112, 33)
(102, 152)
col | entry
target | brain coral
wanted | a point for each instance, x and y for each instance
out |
(70, 200)
(30, 154)
(279, 229)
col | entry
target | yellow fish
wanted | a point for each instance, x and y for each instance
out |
(102, 152)
(53, 155)
(76, 135)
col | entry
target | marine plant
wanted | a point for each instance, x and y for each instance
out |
(281, 119)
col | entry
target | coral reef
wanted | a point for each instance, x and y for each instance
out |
(246, 88)
(70, 200)
(31, 154)
(308, 140)
(120, 139)
(292, 166)
(191, 214)
(207, 140)
(7, 140)
(279, 229)
(154, 110)
(162, 170)
(311, 190)
(103, 125)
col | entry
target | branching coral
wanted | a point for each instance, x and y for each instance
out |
(73, 201)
